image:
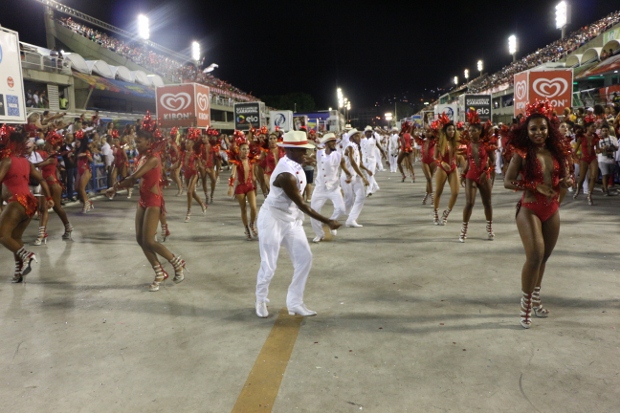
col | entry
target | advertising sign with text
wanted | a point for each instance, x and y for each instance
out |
(520, 92)
(12, 101)
(248, 115)
(481, 103)
(554, 85)
(283, 119)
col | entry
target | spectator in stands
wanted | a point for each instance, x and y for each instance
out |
(35, 99)
(63, 102)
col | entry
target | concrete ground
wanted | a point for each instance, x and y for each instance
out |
(409, 320)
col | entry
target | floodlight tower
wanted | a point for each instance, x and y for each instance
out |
(562, 16)
(512, 47)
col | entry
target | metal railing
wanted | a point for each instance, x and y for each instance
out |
(36, 61)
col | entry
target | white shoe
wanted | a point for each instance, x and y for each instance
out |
(334, 232)
(353, 224)
(261, 309)
(317, 239)
(301, 310)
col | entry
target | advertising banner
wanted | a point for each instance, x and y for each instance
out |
(299, 121)
(520, 93)
(481, 103)
(185, 105)
(554, 85)
(450, 109)
(610, 94)
(12, 100)
(248, 115)
(283, 119)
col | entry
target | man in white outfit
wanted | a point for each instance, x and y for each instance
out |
(353, 186)
(379, 152)
(329, 162)
(393, 147)
(280, 224)
(368, 145)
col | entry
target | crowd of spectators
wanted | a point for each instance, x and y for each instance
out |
(158, 63)
(37, 99)
(550, 53)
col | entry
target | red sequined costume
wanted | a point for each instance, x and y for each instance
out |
(450, 160)
(150, 187)
(475, 172)
(588, 152)
(49, 171)
(428, 151)
(16, 182)
(83, 163)
(245, 184)
(405, 142)
(543, 207)
(189, 164)
(269, 163)
(120, 157)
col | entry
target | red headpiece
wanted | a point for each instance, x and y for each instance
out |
(263, 130)
(472, 117)
(405, 128)
(193, 134)
(212, 132)
(174, 131)
(460, 125)
(114, 133)
(5, 132)
(544, 108)
(53, 138)
(79, 135)
(589, 118)
(148, 123)
(239, 137)
(443, 119)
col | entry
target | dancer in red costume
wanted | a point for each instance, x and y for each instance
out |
(120, 166)
(428, 162)
(150, 145)
(174, 155)
(84, 160)
(540, 158)
(191, 163)
(207, 164)
(15, 172)
(270, 157)
(216, 147)
(445, 157)
(588, 143)
(405, 142)
(256, 139)
(53, 141)
(480, 160)
(242, 183)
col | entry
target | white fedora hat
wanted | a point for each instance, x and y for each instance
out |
(352, 132)
(328, 137)
(368, 128)
(295, 139)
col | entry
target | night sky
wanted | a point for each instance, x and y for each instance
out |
(276, 47)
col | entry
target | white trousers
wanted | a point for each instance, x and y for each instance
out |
(378, 159)
(371, 165)
(319, 197)
(274, 233)
(354, 197)
(393, 157)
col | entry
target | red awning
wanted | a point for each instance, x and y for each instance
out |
(607, 65)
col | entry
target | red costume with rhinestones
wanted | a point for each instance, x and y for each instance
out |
(406, 143)
(16, 182)
(588, 151)
(475, 172)
(270, 161)
(49, 171)
(428, 151)
(543, 207)
(150, 187)
(83, 163)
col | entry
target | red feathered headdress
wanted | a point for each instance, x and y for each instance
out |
(114, 134)
(53, 138)
(239, 138)
(193, 134)
(472, 117)
(443, 120)
(79, 135)
(589, 118)
(212, 132)
(544, 108)
(5, 132)
(174, 131)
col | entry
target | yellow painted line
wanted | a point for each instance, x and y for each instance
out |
(263, 384)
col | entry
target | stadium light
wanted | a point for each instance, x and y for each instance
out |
(512, 47)
(143, 27)
(480, 67)
(456, 80)
(466, 74)
(195, 51)
(388, 116)
(340, 98)
(562, 16)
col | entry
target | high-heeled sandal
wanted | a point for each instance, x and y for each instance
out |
(165, 233)
(435, 217)
(187, 216)
(248, 234)
(207, 199)
(160, 277)
(537, 306)
(68, 231)
(526, 310)
(425, 198)
(204, 208)
(444, 216)
(179, 268)
(18, 273)
(490, 233)
(41, 237)
(253, 229)
(463, 235)
(589, 199)
(27, 257)
(576, 194)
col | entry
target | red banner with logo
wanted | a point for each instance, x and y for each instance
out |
(554, 85)
(520, 92)
(610, 94)
(185, 105)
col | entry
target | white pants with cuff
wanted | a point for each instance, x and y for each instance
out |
(275, 231)
(319, 197)
(354, 197)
